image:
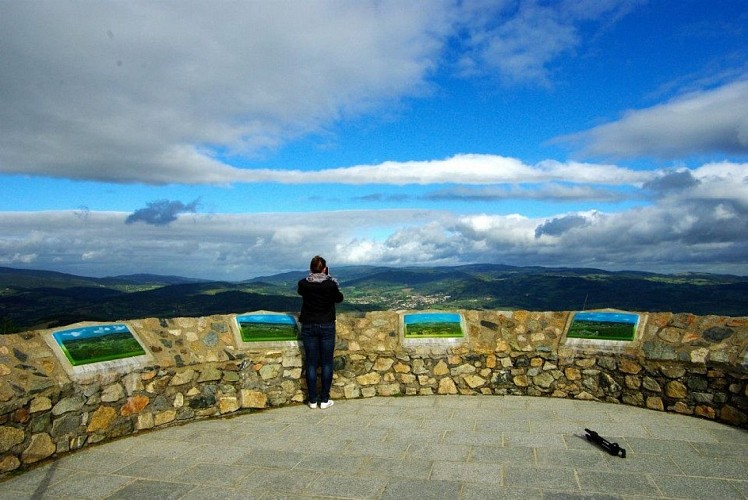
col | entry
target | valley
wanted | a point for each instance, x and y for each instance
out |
(31, 299)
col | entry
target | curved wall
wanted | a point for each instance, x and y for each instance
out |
(196, 369)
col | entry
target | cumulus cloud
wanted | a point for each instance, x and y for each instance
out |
(707, 121)
(693, 230)
(720, 181)
(214, 246)
(120, 92)
(670, 181)
(149, 89)
(161, 212)
(559, 225)
(697, 219)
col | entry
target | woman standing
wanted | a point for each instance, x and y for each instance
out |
(320, 293)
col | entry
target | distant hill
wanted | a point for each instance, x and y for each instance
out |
(548, 289)
(151, 279)
(32, 299)
(30, 278)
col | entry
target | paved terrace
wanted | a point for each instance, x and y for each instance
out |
(410, 447)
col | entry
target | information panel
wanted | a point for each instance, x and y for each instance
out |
(433, 327)
(263, 328)
(89, 349)
(604, 326)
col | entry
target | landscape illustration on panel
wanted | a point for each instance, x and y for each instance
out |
(267, 327)
(604, 326)
(433, 326)
(94, 344)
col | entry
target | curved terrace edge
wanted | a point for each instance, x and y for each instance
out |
(196, 368)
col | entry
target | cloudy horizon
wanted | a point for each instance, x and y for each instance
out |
(233, 140)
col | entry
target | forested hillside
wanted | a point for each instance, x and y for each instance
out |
(40, 299)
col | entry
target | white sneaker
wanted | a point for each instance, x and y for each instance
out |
(313, 406)
(326, 405)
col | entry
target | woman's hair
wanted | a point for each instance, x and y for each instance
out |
(318, 264)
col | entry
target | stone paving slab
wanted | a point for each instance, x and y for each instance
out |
(462, 447)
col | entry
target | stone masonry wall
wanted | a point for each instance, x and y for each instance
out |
(682, 363)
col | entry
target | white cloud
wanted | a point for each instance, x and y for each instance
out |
(690, 230)
(462, 169)
(146, 92)
(700, 122)
(219, 246)
(722, 181)
(530, 35)
(479, 169)
(139, 91)
(18, 258)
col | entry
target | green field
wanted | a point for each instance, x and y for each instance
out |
(433, 330)
(262, 332)
(602, 330)
(103, 348)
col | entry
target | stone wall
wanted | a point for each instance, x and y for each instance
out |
(680, 363)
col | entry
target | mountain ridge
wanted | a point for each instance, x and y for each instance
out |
(33, 299)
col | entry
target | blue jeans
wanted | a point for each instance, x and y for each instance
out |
(319, 346)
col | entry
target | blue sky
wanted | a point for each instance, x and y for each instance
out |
(234, 139)
(89, 331)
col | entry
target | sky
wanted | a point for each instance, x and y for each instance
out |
(234, 139)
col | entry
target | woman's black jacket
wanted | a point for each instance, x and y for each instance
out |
(319, 299)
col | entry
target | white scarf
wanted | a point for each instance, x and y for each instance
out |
(320, 277)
